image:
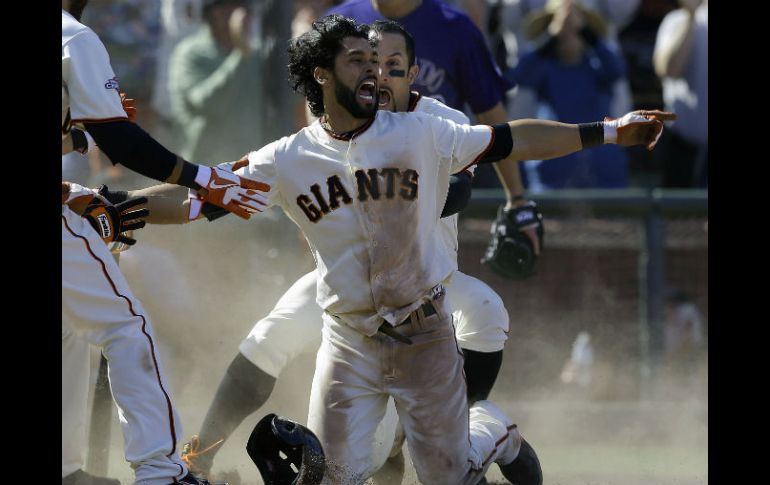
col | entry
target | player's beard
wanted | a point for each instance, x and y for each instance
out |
(76, 8)
(346, 97)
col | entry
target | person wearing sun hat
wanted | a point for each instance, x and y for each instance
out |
(572, 72)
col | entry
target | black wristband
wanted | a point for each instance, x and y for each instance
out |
(591, 134)
(187, 177)
(518, 197)
(79, 141)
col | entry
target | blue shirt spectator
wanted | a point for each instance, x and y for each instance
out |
(573, 74)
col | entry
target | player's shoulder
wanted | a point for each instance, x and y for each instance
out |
(283, 145)
(396, 125)
(434, 107)
(71, 28)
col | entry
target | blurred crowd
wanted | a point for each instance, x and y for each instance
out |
(209, 78)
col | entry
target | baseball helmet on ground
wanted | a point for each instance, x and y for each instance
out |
(285, 452)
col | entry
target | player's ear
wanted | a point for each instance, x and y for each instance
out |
(321, 75)
(413, 71)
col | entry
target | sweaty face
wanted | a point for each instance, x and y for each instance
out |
(355, 77)
(394, 72)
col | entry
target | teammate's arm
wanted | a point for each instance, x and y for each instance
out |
(95, 103)
(459, 194)
(509, 175)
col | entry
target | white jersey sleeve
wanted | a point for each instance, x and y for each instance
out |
(463, 145)
(435, 107)
(262, 167)
(88, 81)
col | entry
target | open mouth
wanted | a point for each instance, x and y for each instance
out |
(366, 91)
(385, 98)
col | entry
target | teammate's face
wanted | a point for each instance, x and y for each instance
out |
(395, 74)
(355, 77)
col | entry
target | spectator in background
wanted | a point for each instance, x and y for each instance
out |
(179, 19)
(215, 81)
(573, 72)
(681, 61)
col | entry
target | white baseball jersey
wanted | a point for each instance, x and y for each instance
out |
(97, 303)
(89, 89)
(377, 251)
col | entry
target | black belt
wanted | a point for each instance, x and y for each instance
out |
(427, 309)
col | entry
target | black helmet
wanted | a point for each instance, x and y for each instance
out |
(304, 460)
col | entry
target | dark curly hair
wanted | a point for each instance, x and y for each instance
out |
(318, 48)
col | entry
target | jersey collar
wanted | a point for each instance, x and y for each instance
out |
(414, 98)
(348, 135)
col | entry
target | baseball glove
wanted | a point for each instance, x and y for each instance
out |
(510, 252)
(112, 221)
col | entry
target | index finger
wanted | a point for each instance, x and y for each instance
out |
(659, 115)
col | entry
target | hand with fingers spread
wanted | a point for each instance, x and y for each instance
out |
(641, 127)
(112, 221)
(239, 195)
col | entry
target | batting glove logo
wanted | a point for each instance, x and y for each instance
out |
(112, 84)
(104, 223)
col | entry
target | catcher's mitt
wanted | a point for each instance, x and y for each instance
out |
(113, 221)
(510, 252)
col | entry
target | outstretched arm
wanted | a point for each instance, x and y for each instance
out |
(542, 139)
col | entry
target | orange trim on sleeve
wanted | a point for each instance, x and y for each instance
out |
(100, 120)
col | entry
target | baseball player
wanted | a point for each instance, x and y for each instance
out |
(294, 325)
(366, 190)
(97, 303)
